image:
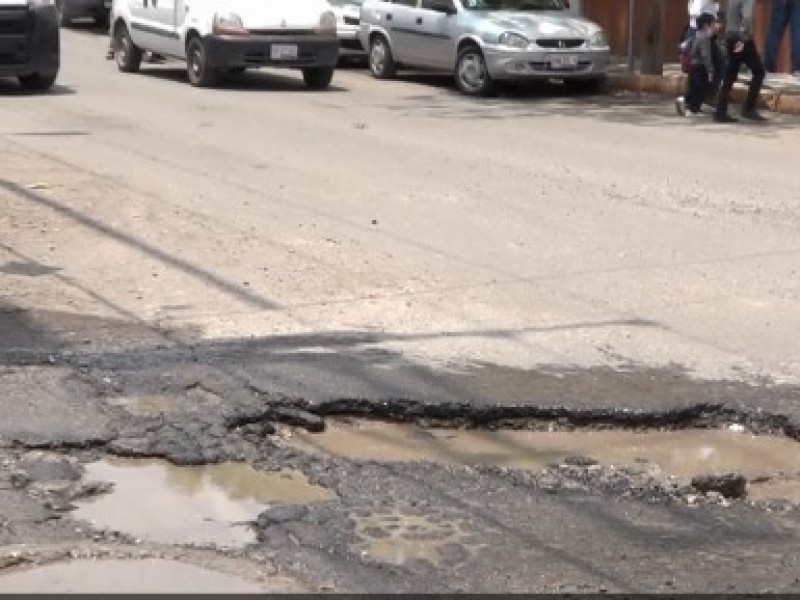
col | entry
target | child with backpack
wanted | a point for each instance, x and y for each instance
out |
(700, 65)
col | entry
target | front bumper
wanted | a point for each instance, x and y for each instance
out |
(29, 41)
(348, 37)
(504, 63)
(313, 50)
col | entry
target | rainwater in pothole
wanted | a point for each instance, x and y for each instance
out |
(124, 576)
(161, 502)
(682, 453)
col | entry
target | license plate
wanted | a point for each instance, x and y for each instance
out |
(564, 61)
(284, 52)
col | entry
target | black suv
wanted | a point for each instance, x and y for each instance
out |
(29, 42)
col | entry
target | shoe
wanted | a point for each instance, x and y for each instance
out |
(753, 115)
(680, 106)
(694, 115)
(725, 119)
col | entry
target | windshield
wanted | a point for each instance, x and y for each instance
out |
(521, 5)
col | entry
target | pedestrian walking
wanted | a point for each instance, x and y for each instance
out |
(741, 51)
(702, 71)
(785, 14)
(696, 8)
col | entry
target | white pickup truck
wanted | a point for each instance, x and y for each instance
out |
(219, 36)
(29, 42)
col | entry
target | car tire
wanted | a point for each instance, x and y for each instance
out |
(37, 82)
(381, 61)
(200, 73)
(127, 55)
(472, 76)
(318, 78)
(585, 86)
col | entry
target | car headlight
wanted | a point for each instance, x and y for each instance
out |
(514, 40)
(327, 22)
(228, 24)
(598, 40)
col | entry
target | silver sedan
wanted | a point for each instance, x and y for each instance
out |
(484, 41)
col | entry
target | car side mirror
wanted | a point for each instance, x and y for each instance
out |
(443, 6)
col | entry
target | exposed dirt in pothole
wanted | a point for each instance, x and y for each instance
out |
(211, 504)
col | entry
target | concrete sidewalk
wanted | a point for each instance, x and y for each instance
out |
(781, 93)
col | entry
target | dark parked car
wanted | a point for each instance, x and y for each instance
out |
(29, 42)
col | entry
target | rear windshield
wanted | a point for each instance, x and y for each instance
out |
(513, 4)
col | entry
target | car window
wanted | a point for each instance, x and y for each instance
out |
(405, 2)
(513, 4)
(428, 4)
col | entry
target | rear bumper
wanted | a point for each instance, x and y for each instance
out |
(29, 41)
(348, 38)
(256, 51)
(577, 64)
(85, 8)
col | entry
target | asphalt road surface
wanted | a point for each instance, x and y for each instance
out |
(394, 241)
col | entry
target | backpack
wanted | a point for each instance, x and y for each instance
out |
(685, 50)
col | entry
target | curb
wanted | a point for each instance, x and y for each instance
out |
(674, 85)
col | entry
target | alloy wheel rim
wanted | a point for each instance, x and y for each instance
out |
(378, 57)
(472, 72)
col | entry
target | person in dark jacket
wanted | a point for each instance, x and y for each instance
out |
(741, 50)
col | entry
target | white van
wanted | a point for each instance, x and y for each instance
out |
(219, 36)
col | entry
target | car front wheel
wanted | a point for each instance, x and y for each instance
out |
(201, 74)
(127, 54)
(381, 61)
(472, 76)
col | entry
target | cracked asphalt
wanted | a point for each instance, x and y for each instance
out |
(258, 257)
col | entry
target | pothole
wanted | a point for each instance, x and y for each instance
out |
(397, 537)
(124, 576)
(682, 454)
(210, 504)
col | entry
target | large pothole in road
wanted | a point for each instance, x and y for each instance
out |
(124, 576)
(210, 504)
(763, 460)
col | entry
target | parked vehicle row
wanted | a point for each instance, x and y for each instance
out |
(480, 42)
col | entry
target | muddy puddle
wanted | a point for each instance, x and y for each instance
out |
(124, 576)
(680, 453)
(161, 502)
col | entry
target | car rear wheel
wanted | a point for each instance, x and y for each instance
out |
(318, 78)
(37, 82)
(127, 54)
(381, 61)
(472, 76)
(201, 74)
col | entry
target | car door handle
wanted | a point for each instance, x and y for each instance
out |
(388, 16)
(419, 20)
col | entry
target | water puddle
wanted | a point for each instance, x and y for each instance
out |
(124, 576)
(680, 453)
(397, 537)
(165, 503)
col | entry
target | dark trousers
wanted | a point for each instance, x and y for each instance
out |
(748, 56)
(698, 88)
(785, 13)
